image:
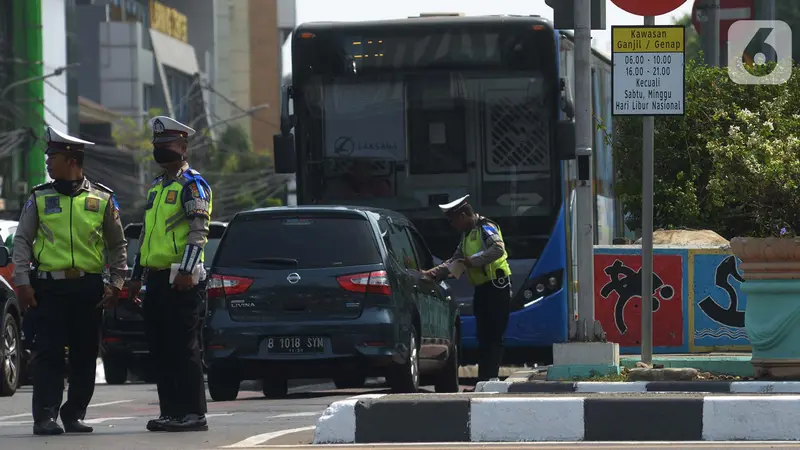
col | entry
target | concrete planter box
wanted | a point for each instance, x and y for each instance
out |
(771, 270)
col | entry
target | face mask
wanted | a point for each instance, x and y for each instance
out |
(164, 155)
(65, 187)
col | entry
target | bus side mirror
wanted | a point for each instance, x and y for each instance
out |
(565, 139)
(283, 148)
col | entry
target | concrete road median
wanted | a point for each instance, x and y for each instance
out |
(431, 418)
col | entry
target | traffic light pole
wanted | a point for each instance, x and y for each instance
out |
(583, 141)
(587, 353)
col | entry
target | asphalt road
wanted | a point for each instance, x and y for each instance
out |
(119, 415)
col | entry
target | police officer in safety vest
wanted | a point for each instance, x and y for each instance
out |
(63, 230)
(483, 253)
(170, 260)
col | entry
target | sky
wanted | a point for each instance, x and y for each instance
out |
(358, 10)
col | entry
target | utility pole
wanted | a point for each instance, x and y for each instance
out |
(768, 13)
(583, 140)
(710, 37)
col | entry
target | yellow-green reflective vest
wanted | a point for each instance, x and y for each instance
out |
(473, 243)
(166, 225)
(70, 233)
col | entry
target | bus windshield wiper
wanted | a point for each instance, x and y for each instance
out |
(278, 261)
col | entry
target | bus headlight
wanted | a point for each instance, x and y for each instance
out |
(536, 288)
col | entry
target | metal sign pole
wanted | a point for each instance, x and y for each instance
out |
(648, 130)
(648, 80)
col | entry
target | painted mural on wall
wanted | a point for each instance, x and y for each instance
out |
(618, 299)
(717, 311)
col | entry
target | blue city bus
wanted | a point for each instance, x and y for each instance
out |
(412, 113)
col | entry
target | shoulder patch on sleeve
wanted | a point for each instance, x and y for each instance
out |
(28, 204)
(489, 229)
(157, 180)
(198, 186)
(42, 186)
(103, 187)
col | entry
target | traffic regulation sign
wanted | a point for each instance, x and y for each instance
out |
(648, 7)
(729, 12)
(648, 74)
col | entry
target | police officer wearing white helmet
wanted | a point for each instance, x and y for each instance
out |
(63, 230)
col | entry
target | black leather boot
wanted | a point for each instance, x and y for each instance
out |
(76, 426)
(158, 424)
(189, 422)
(47, 427)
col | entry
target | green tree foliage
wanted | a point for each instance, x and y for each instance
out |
(132, 135)
(694, 46)
(232, 155)
(731, 164)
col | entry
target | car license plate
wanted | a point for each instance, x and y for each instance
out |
(295, 344)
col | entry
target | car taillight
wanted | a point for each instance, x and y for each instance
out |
(219, 285)
(369, 282)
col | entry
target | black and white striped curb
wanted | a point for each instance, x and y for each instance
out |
(732, 387)
(437, 418)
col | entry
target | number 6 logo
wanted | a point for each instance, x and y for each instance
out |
(758, 36)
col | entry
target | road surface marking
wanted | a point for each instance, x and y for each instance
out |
(16, 423)
(116, 402)
(15, 416)
(106, 419)
(261, 438)
(218, 415)
(95, 405)
(301, 414)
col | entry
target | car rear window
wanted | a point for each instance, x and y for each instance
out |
(314, 242)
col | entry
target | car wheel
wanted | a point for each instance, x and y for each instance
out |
(447, 380)
(10, 356)
(275, 387)
(115, 369)
(349, 381)
(223, 385)
(405, 378)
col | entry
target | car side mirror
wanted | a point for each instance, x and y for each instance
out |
(5, 257)
(283, 150)
(565, 139)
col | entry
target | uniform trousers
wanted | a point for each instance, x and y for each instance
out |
(172, 321)
(491, 305)
(67, 315)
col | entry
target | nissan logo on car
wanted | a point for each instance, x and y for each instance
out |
(293, 278)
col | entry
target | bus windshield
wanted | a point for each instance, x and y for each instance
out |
(411, 138)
